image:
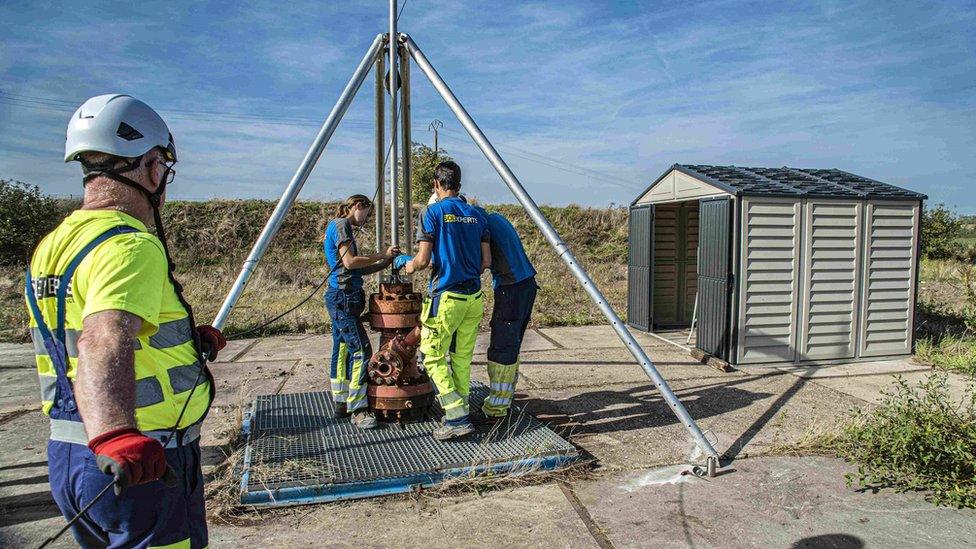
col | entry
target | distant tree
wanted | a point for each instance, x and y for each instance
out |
(26, 216)
(940, 228)
(423, 161)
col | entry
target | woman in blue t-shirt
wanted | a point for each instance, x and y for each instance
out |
(345, 301)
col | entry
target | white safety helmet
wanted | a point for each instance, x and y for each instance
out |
(119, 125)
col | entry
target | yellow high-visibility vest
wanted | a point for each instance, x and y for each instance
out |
(127, 272)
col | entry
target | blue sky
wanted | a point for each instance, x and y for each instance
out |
(588, 101)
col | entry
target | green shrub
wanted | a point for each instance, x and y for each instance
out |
(422, 164)
(918, 439)
(26, 216)
(940, 228)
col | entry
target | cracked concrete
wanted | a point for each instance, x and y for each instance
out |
(584, 383)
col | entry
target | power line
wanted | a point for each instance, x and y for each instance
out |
(562, 165)
(68, 106)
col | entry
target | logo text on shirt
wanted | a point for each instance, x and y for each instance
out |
(451, 218)
(47, 286)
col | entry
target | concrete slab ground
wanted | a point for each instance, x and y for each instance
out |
(866, 380)
(584, 383)
(766, 502)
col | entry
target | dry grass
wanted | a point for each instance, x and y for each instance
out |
(210, 241)
(819, 439)
(481, 483)
(945, 316)
(223, 483)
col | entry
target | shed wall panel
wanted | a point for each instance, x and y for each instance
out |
(830, 280)
(888, 297)
(769, 273)
(690, 289)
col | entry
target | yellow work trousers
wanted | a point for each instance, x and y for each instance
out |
(450, 325)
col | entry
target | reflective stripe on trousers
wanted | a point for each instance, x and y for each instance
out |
(455, 406)
(504, 379)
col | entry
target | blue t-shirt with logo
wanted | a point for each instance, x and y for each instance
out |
(509, 263)
(338, 232)
(456, 231)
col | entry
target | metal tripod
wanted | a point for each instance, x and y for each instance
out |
(398, 50)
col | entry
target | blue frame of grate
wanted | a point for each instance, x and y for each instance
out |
(323, 491)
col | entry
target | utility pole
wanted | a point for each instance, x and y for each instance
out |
(434, 126)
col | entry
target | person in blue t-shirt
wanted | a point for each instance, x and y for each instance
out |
(453, 242)
(513, 279)
(345, 300)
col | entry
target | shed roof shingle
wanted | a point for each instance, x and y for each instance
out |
(796, 182)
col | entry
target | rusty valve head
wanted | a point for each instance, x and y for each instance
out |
(385, 367)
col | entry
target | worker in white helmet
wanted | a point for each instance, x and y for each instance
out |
(120, 361)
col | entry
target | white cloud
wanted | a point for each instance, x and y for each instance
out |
(620, 90)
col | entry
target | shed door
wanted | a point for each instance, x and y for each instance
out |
(830, 279)
(714, 274)
(640, 267)
(888, 298)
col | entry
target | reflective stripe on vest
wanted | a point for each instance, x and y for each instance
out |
(74, 432)
(183, 378)
(171, 334)
(70, 342)
(148, 390)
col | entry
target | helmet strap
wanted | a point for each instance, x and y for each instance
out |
(154, 198)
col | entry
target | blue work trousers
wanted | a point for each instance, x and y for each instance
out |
(351, 348)
(143, 516)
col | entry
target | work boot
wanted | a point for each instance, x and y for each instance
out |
(364, 419)
(340, 410)
(448, 432)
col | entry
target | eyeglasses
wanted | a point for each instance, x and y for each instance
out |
(170, 172)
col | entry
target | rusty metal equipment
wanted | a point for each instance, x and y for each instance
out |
(399, 389)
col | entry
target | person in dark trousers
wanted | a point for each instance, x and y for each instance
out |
(513, 279)
(345, 300)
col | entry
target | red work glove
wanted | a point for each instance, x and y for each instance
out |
(129, 456)
(211, 340)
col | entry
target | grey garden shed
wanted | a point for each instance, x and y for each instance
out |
(786, 265)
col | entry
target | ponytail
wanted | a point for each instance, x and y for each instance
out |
(345, 207)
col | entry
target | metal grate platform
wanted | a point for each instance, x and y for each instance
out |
(298, 453)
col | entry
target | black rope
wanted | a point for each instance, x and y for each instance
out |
(84, 510)
(318, 287)
(154, 200)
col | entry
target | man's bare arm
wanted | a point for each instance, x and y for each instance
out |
(485, 256)
(422, 260)
(105, 384)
